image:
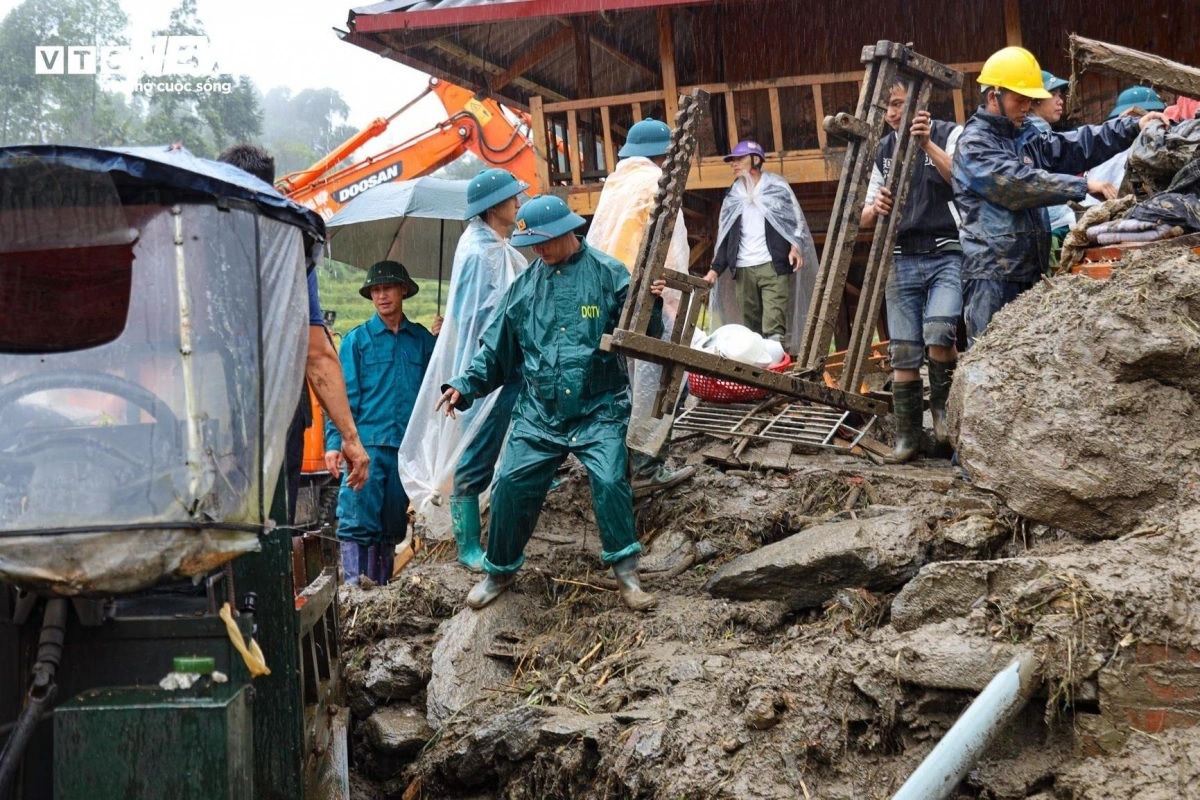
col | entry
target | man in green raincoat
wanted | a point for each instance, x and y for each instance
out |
(574, 396)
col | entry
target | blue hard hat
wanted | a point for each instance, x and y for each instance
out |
(746, 147)
(491, 187)
(1142, 97)
(1050, 81)
(543, 218)
(650, 137)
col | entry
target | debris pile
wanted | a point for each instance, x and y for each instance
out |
(819, 630)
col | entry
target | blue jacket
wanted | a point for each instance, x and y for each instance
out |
(1000, 195)
(383, 375)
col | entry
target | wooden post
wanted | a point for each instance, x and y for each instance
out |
(819, 112)
(666, 54)
(610, 161)
(1142, 67)
(575, 148)
(1012, 22)
(960, 113)
(637, 112)
(776, 119)
(540, 148)
(731, 118)
(583, 90)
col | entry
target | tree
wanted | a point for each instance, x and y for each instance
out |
(301, 128)
(204, 121)
(78, 109)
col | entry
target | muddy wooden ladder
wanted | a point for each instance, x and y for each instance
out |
(887, 63)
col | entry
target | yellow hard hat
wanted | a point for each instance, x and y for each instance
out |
(1015, 69)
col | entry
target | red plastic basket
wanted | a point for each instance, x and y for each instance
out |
(719, 390)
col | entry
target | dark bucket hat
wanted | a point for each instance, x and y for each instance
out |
(382, 273)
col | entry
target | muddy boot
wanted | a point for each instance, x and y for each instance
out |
(658, 479)
(488, 589)
(941, 374)
(908, 406)
(630, 587)
(464, 515)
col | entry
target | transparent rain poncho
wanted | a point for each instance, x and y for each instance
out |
(782, 210)
(617, 229)
(485, 265)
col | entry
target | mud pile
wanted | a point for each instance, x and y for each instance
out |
(819, 630)
(1079, 404)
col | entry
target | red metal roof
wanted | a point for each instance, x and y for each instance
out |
(398, 14)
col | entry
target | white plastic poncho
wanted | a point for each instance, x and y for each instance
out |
(778, 203)
(485, 265)
(618, 227)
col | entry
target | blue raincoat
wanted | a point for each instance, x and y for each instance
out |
(1004, 176)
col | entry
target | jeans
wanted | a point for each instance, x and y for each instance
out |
(924, 300)
(983, 298)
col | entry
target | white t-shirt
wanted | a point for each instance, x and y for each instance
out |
(752, 250)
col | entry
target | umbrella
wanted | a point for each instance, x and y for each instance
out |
(417, 223)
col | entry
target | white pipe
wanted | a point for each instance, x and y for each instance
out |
(1006, 694)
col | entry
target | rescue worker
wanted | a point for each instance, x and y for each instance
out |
(574, 397)
(617, 229)
(924, 285)
(438, 454)
(762, 238)
(384, 361)
(1045, 114)
(1005, 172)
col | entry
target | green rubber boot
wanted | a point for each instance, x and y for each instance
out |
(941, 375)
(908, 406)
(464, 515)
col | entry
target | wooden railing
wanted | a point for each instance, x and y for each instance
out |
(582, 137)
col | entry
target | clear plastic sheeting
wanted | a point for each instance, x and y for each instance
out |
(617, 229)
(120, 461)
(485, 265)
(778, 203)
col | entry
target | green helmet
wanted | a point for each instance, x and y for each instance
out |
(1142, 97)
(543, 218)
(491, 187)
(649, 138)
(383, 273)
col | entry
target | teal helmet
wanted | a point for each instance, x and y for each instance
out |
(648, 138)
(1142, 97)
(383, 273)
(491, 187)
(1050, 81)
(543, 218)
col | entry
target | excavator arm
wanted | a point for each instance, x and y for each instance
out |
(479, 126)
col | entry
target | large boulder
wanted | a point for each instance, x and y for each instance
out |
(462, 670)
(880, 551)
(397, 671)
(1078, 404)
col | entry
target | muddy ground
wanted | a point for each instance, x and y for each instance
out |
(820, 629)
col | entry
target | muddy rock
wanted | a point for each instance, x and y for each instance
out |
(1165, 766)
(398, 731)
(1077, 404)
(461, 669)
(950, 589)
(880, 550)
(396, 672)
(948, 656)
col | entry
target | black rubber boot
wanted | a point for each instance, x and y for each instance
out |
(488, 589)
(941, 375)
(908, 406)
(632, 593)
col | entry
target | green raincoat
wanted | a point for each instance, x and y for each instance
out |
(574, 399)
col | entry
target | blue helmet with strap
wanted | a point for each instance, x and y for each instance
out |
(543, 218)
